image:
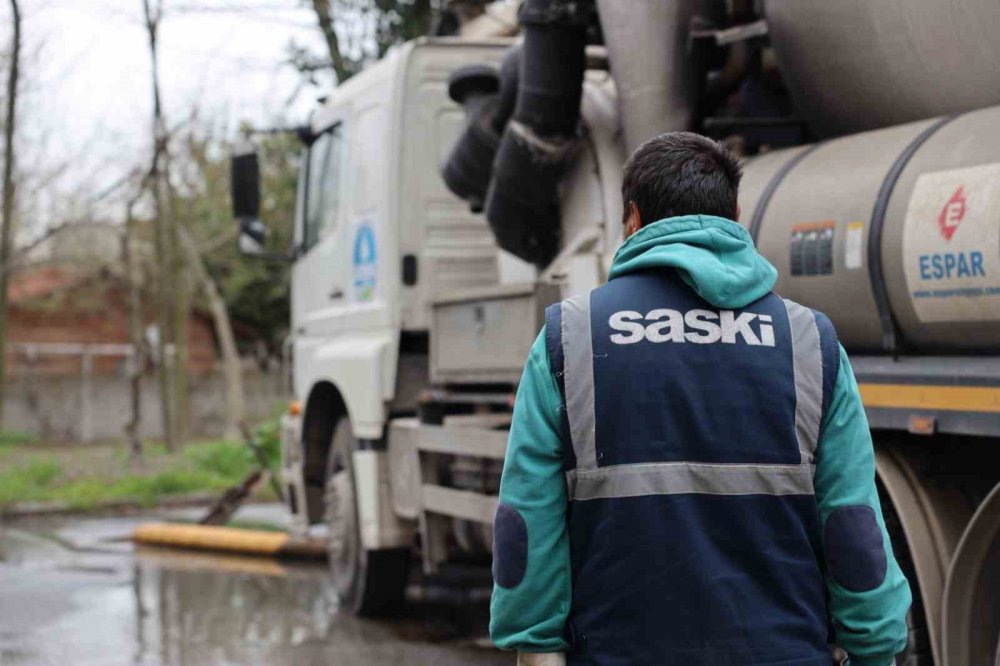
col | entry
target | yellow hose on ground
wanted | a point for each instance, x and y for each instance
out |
(227, 539)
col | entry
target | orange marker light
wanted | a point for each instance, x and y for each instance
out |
(922, 425)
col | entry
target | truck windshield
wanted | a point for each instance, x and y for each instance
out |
(323, 186)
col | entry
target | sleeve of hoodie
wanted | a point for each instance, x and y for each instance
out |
(868, 594)
(531, 565)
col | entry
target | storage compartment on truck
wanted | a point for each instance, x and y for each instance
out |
(483, 335)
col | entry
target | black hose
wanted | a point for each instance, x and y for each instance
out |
(466, 172)
(522, 202)
(510, 71)
(551, 74)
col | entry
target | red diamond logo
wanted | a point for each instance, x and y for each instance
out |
(952, 214)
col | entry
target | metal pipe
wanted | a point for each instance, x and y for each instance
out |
(647, 47)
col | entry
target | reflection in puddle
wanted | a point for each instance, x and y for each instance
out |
(230, 610)
(227, 610)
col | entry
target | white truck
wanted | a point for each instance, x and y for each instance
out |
(412, 317)
(409, 326)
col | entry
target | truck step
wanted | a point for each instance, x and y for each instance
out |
(461, 440)
(462, 504)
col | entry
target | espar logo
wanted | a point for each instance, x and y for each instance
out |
(701, 327)
(952, 214)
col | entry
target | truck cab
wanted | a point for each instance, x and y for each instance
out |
(377, 234)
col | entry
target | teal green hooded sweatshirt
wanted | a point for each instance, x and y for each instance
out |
(717, 259)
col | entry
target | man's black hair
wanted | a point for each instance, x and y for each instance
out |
(681, 173)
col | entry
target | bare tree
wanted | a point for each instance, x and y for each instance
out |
(159, 183)
(177, 253)
(7, 209)
(20, 257)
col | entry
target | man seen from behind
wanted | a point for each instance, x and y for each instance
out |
(690, 477)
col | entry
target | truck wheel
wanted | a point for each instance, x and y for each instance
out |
(369, 582)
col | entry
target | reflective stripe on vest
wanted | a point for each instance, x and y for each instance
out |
(676, 478)
(589, 481)
(578, 355)
(807, 364)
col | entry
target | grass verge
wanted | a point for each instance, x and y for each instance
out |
(85, 477)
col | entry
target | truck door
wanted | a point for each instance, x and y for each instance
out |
(345, 279)
(321, 276)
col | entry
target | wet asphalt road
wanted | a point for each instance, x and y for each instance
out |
(76, 591)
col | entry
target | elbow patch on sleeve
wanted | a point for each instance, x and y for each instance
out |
(854, 548)
(510, 547)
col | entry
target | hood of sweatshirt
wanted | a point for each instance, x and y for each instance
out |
(716, 257)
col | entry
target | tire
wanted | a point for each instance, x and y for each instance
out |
(918, 642)
(368, 582)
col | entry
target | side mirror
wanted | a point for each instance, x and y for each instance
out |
(245, 178)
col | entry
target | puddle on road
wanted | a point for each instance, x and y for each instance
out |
(232, 610)
(171, 608)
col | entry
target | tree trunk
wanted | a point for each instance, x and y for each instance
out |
(165, 351)
(161, 201)
(325, 20)
(181, 312)
(423, 16)
(7, 209)
(235, 417)
(135, 337)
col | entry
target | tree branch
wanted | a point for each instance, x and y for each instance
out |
(15, 261)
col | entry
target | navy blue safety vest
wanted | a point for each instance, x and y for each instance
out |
(694, 531)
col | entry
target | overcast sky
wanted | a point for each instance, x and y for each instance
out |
(87, 99)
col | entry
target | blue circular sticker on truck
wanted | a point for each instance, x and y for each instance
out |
(365, 262)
